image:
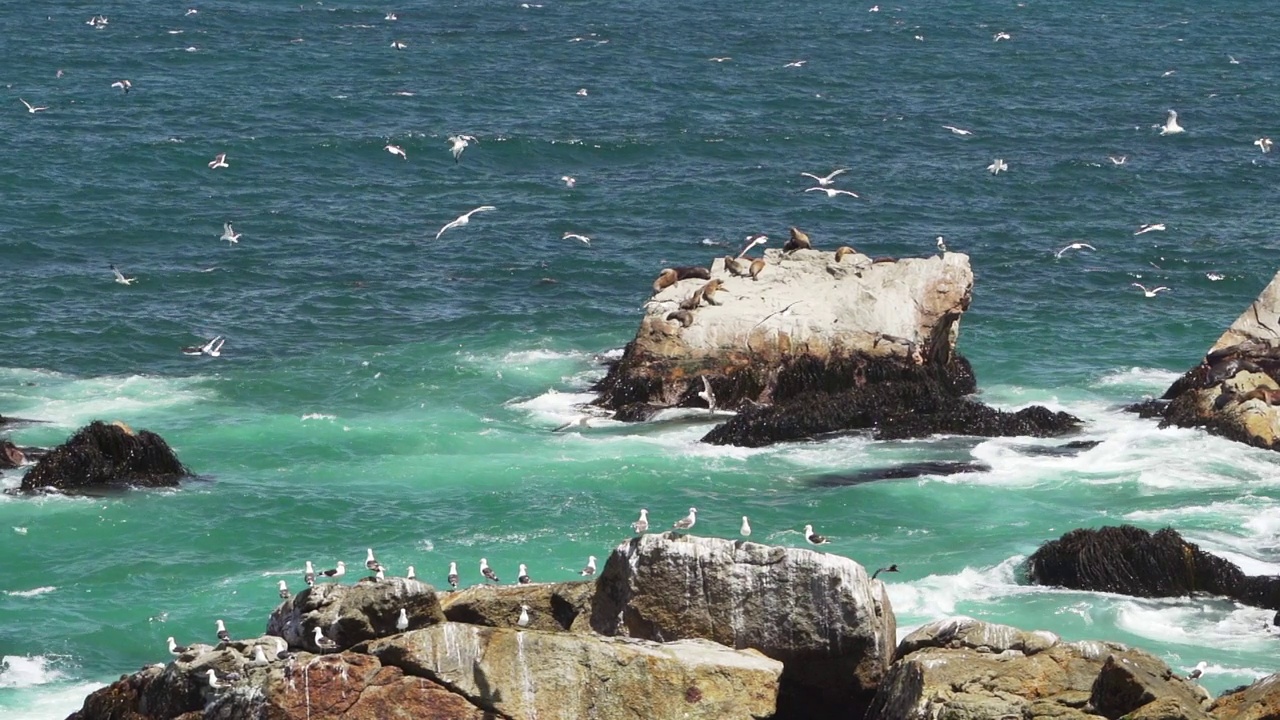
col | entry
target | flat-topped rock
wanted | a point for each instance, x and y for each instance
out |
(349, 614)
(551, 606)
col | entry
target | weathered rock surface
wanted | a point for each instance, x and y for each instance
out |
(102, 454)
(1259, 701)
(552, 606)
(816, 346)
(350, 614)
(1235, 390)
(555, 675)
(964, 668)
(820, 614)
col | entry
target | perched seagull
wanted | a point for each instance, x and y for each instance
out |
(282, 649)
(797, 63)
(1149, 293)
(120, 278)
(1264, 143)
(487, 571)
(891, 568)
(752, 241)
(1149, 227)
(223, 635)
(371, 563)
(575, 236)
(590, 569)
(230, 235)
(641, 526)
(1171, 126)
(707, 395)
(569, 180)
(453, 575)
(523, 578)
(813, 537)
(32, 109)
(941, 243)
(402, 622)
(1001, 36)
(464, 219)
(337, 572)
(832, 192)
(309, 575)
(409, 574)
(1198, 670)
(997, 166)
(259, 655)
(1074, 246)
(1118, 160)
(321, 641)
(379, 575)
(686, 522)
(828, 179)
(398, 45)
(284, 590)
(396, 150)
(124, 85)
(524, 616)
(746, 527)
(213, 679)
(458, 143)
(219, 162)
(957, 131)
(175, 648)
(580, 421)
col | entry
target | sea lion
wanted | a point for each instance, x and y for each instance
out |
(757, 265)
(671, 276)
(884, 259)
(708, 291)
(799, 241)
(693, 301)
(684, 317)
(842, 251)
(1270, 396)
(120, 424)
(736, 267)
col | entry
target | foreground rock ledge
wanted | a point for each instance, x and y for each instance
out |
(815, 346)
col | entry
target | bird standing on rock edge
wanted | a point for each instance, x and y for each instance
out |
(686, 522)
(641, 526)
(487, 571)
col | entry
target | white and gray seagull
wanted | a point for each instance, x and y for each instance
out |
(229, 234)
(832, 192)
(1149, 227)
(828, 179)
(31, 108)
(120, 277)
(575, 236)
(1149, 293)
(707, 394)
(686, 522)
(752, 241)
(1074, 246)
(957, 131)
(641, 526)
(997, 166)
(219, 162)
(1171, 126)
(396, 150)
(464, 219)
(458, 143)
(590, 569)
(1264, 144)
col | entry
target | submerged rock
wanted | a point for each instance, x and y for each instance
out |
(350, 614)
(102, 454)
(814, 345)
(820, 614)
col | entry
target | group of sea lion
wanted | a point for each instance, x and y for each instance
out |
(1248, 356)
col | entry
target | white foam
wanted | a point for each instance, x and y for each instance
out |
(1199, 622)
(524, 357)
(20, 671)
(1151, 380)
(69, 401)
(318, 416)
(937, 595)
(47, 702)
(30, 593)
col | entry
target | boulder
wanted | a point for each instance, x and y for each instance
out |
(819, 614)
(350, 614)
(814, 345)
(1259, 701)
(102, 454)
(552, 606)
(535, 675)
(965, 668)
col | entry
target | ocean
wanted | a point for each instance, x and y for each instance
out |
(381, 388)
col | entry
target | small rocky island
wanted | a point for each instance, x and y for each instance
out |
(803, 342)
(100, 455)
(676, 626)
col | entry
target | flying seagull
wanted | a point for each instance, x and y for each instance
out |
(1171, 126)
(752, 241)
(1263, 143)
(707, 394)
(580, 421)
(891, 568)
(590, 569)
(569, 180)
(1148, 293)
(33, 109)
(1074, 246)
(997, 166)
(1118, 159)
(1001, 36)
(120, 278)
(687, 521)
(796, 64)
(813, 537)
(458, 143)
(229, 234)
(396, 150)
(124, 85)
(832, 192)
(464, 219)
(958, 131)
(642, 525)
(1149, 227)
(219, 162)
(575, 236)
(828, 179)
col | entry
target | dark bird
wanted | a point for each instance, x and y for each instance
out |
(891, 568)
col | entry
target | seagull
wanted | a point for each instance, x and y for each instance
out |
(396, 150)
(120, 278)
(487, 571)
(832, 192)
(223, 635)
(575, 236)
(582, 92)
(797, 63)
(1171, 126)
(337, 572)
(1232, 60)
(230, 235)
(214, 347)
(784, 312)
(1198, 670)
(720, 59)
(746, 527)
(309, 575)
(1118, 160)
(213, 679)
(524, 616)
(752, 241)
(391, 16)
(891, 568)
(569, 180)
(282, 649)
(398, 45)
(1074, 246)
(175, 648)
(219, 162)
(1149, 293)
(523, 578)
(453, 575)
(321, 641)
(998, 165)
(1215, 276)
(371, 563)
(580, 421)
(205, 349)
(1149, 227)
(464, 219)
(707, 394)
(458, 143)
(409, 574)
(941, 243)
(686, 522)
(1264, 143)
(259, 655)
(641, 526)
(957, 131)
(124, 85)
(284, 590)
(828, 179)
(813, 537)
(590, 569)
(402, 622)
(191, 11)
(32, 109)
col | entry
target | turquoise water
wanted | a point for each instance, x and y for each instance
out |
(382, 389)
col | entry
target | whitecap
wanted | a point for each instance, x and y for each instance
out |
(318, 416)
(1200, 622)
(30, 593)
(20, 671)
(937, 595)
(1149, 380)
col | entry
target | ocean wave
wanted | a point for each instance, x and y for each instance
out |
(1219, 624)
(71, 402)
(21, 671)
(30, 593)
(1150, 380)
(938, 595)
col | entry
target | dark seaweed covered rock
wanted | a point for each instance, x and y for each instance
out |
(102, 454)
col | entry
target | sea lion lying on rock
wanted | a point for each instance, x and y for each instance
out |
(671, 276)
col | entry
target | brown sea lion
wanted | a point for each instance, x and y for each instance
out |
(799, 241)
(757, 265)
(684, 317)
(708, 291)
(884, 259)
(736, 267)
(693, 301)
(1270, 396)
(671, 276)
(842, 251)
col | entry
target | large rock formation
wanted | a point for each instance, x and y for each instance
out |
(1259, 701)
(349, 614)
(1235, 389)
(820, 614)
(963, 668)
(551, 606)
(815, 345)
(102, 454)
(1132, 561)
